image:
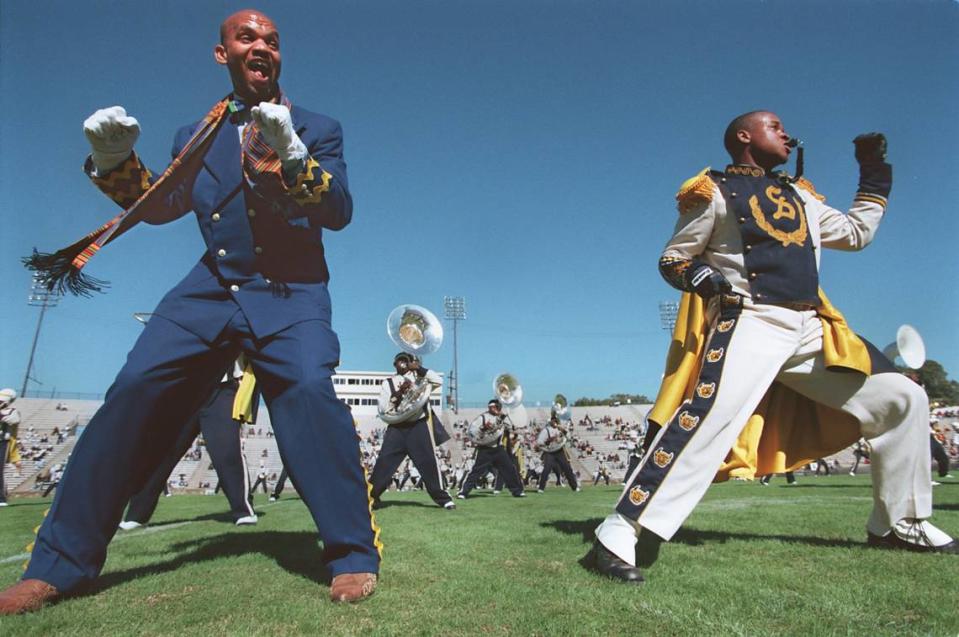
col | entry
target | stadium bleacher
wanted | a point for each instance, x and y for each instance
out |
(40, 416)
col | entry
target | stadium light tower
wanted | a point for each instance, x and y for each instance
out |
(43, 298)
(455, 307)
(667, 314)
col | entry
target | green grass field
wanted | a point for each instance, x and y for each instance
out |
(751, 560)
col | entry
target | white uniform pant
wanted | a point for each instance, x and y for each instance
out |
(772, 343)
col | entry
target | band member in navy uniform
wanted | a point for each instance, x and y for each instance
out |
(272, 179)
(415, 437)
(779, 359)
(552, 442)
(221, 435)
(486, 431)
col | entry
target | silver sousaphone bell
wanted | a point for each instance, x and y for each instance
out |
(416, 331)
(908, 346)
(507, 388)
(561, 408)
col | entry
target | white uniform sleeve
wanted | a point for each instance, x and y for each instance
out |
(693, 230)
(852, 231)
(433, 378)
(542, 437)
(383, 401)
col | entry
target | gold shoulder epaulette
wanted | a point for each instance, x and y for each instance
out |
(695, 191)
(806, 185)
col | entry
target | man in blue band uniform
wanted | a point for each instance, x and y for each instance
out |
(779, 357)
(260, 288)
(415, 437)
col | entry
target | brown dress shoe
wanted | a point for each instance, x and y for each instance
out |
(352, 587)
(26, 596)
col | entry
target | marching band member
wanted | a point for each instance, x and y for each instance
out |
(271, 179)
(634, 448)
(486, 432)
(415, 437)
(9, 423)
(512, 442)
(746, 252)
(552, 442)
(219, 420)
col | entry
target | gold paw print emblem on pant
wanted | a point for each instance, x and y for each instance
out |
(637, 496)
(688, 421)
(725, 326)
(713, 355)
(662, 458)
(705, 390)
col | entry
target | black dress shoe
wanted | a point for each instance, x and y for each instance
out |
(893, 541)
(609, 564)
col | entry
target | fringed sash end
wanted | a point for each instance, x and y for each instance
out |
(58, 273)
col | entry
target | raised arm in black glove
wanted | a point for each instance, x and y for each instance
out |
(875, 175)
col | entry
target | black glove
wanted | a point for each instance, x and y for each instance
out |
(875, 175)
(706, 281)
(870, 148)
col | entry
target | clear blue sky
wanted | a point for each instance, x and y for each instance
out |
(524, 155)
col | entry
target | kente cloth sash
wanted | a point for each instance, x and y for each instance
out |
(787, 430)
(61, 270)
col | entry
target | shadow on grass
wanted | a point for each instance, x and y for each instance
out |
(647, 549)
(222, 516)
(386, 504)
(806, 485)
(295, 552)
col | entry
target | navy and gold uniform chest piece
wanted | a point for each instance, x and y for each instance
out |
(778, 251)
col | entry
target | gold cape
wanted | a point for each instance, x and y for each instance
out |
(787, 430)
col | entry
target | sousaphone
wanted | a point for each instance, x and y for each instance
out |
(908, 346)
(507, 388)
(561, 408)
(416, 331)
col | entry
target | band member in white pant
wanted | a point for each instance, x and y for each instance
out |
(748, 242)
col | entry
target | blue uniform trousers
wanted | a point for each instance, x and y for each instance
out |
(487, 458)
(555, 461)
(411, 440)
(166, 378)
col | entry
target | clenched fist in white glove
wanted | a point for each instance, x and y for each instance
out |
(112, 134)
(277, 127)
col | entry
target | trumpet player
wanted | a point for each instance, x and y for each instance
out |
(415, 437)
(486, 431)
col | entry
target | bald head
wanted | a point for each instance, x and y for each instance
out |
(241, 17)
(250, 48)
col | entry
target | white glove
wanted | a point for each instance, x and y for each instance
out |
(112, 134)
(277, 127)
